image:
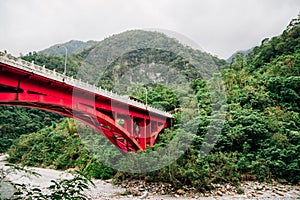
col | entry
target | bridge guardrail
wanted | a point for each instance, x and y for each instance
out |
(52, 74)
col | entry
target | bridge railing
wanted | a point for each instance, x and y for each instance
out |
(52, 74)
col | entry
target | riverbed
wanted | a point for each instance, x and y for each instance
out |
(105, 190)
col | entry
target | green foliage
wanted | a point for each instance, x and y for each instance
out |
(59, 147)
(285, 91)
(285, 44)
(65, 189)
(15, 121)
(263, 118)
(55, 62)
(99, 171)
(158, 96)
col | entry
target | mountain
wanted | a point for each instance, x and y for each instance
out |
(119, 53)
(98, 59)
(243, 52)
(73, 46)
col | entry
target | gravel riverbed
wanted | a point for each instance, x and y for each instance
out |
(134, 190)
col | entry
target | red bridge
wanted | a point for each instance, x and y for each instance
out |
(128, 124)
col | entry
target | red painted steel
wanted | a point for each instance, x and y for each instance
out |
(139, 129)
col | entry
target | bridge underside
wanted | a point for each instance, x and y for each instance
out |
(127, 127)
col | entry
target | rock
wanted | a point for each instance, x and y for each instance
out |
(228, 187)
(3, 157)
(135, 192)
(144, 196)
(268, 188)
(277, 192)
(250, 190)
(180, 192)
(109, 181)
(259, 187)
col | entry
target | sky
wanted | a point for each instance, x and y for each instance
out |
(220, 27)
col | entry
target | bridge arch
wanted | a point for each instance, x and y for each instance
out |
(103, 124)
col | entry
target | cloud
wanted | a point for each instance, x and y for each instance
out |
(220, 27)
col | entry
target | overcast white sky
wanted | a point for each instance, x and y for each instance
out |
(219, 26)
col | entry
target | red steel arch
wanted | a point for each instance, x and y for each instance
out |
(26, 84)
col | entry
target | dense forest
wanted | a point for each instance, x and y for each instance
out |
(260, 139)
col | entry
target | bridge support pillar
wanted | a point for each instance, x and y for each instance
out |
(148, 131)
(154, 129)
(142, 133)
(128, 125)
